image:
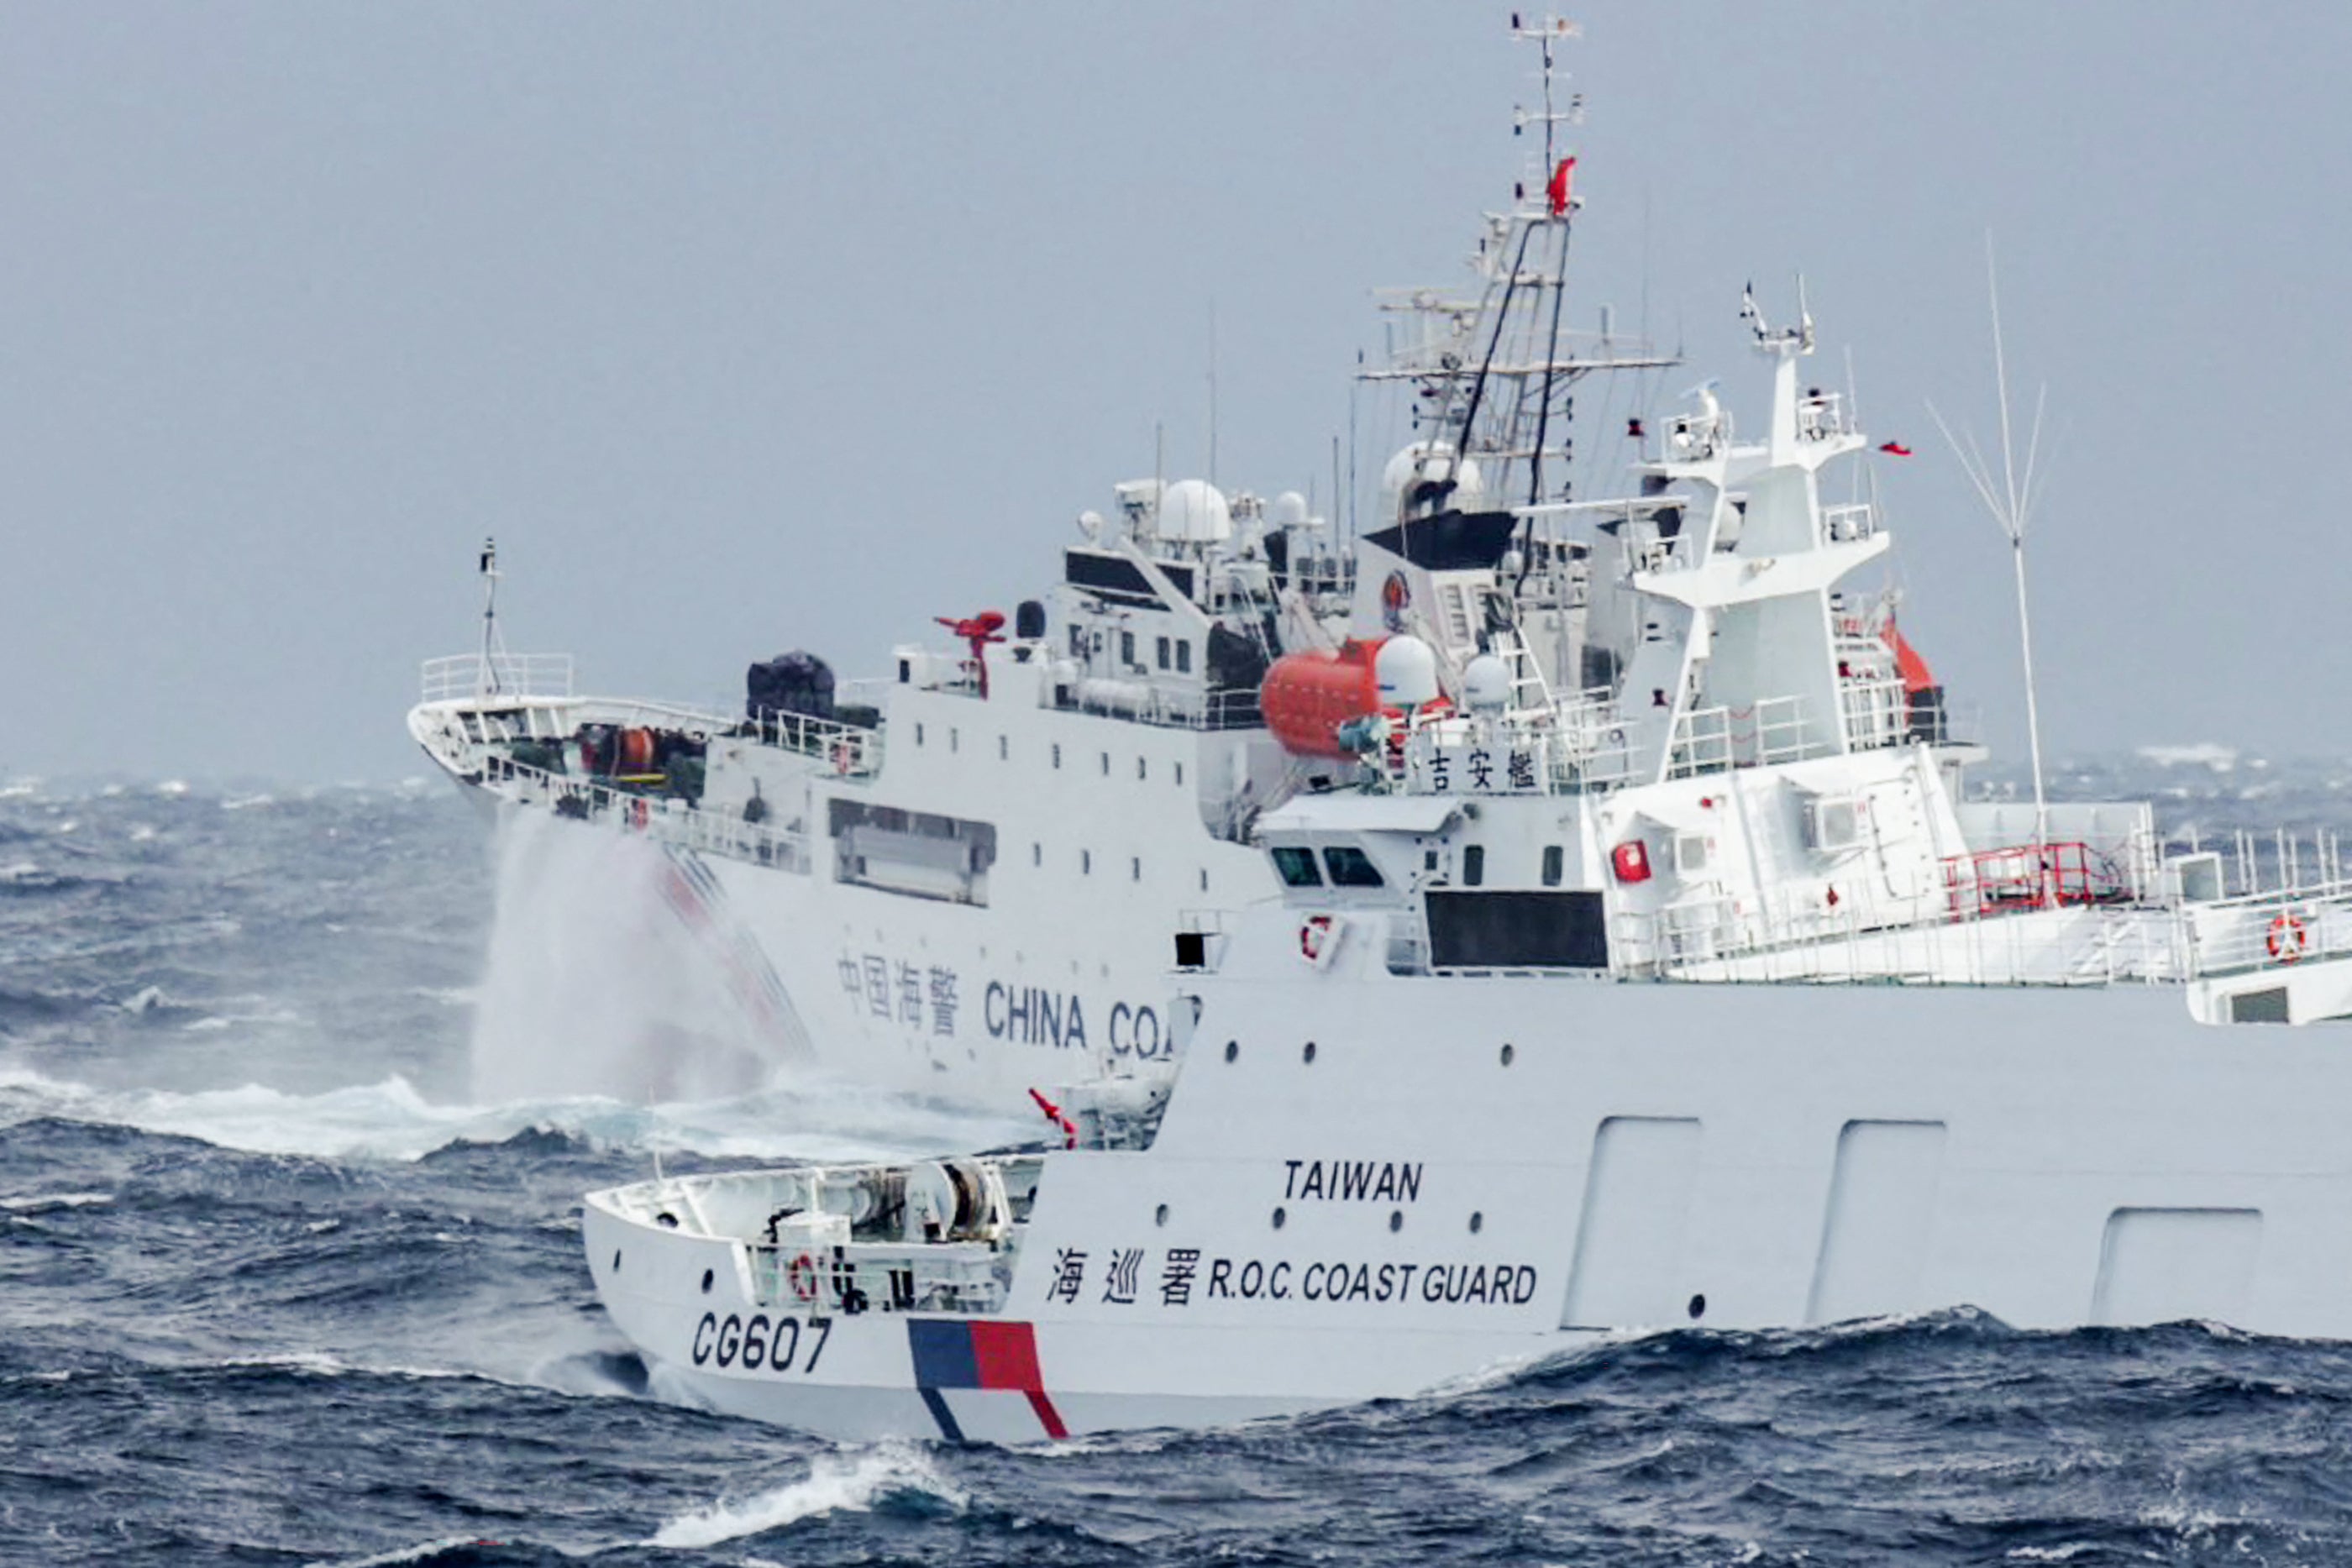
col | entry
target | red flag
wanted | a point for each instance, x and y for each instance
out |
(1557, 189)
(1896, 447)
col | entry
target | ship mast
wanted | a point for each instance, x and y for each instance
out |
(493, 648)
(1494, 372)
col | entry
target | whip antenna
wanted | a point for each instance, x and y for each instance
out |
(2010, 503)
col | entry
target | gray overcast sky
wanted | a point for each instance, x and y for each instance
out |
(747, 328)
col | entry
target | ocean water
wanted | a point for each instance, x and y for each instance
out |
(290, 1274)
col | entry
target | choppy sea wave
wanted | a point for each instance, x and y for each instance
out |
(275, 1288)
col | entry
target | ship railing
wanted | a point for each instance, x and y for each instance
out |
(497, 677)
(1694, 437)
(1591, 749)
(1711, 940)
(852, 750)
(1876, 712)
(663, 818)
(884, 1277)
(1235, 707)
(1849, 523)
(1820, 416)
(1713, 739)
(2277, 929)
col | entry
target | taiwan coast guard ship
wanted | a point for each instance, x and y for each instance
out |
(1698, 995)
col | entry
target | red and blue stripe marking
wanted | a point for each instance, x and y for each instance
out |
(951, 1353)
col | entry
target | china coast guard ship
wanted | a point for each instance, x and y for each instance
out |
(957, 880)
(1698, 995)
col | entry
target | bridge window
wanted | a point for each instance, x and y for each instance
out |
(1183, 658)
(1164, 652)
(1552, 869)
(1351, 867)
(1296, 866)
(1127, 649)
(1474, 864)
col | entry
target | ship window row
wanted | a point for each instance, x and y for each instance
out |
(1169, 652)
(1004, 754)
(1135, 864)
(1347, 866)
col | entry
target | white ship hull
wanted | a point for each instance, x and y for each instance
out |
(1050, 968)
(1651, 1156)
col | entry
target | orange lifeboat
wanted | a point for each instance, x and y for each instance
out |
(1306, 696)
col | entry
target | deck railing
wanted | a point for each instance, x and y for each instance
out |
(460, 677)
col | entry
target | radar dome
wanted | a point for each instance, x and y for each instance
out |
(1405, 671)
(1424, 469)
(1195, 511)
(1486, 685)
(1290, 509)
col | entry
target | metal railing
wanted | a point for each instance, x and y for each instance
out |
(1849, 523)
(661, 818)
(1712, 740)
(462, 678)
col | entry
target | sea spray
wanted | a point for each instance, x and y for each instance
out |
(594, 984)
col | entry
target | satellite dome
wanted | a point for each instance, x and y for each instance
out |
(1290, 509)
(1426, 463)
(1486, 685)
(1405, 670)
(1195, 511)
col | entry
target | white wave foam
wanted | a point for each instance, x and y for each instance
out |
(851, 1480)
(43, 1202)
(2202, 754)
(390, 1121)
(18, 871)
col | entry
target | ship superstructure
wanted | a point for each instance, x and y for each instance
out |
(1701, 996)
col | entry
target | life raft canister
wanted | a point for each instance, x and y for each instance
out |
(2288, 939)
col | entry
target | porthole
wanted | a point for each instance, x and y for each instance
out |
(1160, 1215)
(1396, 1219)
(1509, 1054)
(1278, 1217)
(616, 1262)
(1477, 1222)
(1232, 1048)
(1307, 1055)
(1698, 1308)
(706, 1278)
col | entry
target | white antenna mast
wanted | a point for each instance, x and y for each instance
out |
(493, 648)
(2011, 506)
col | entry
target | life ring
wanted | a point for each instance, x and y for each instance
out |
(2287, 940)
(639, 814)
(845, 757)
(800, 1275)
(1316, 938)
